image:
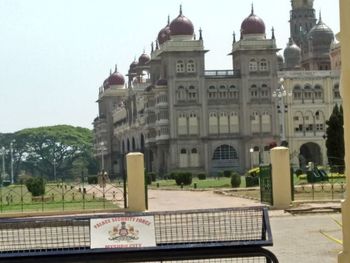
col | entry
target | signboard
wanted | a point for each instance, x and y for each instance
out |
(122, 232)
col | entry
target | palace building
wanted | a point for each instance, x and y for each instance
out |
(184, 117)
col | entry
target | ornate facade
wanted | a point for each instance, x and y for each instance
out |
(183, 116)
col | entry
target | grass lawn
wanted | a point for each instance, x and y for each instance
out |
(208, 183)
(16, 198)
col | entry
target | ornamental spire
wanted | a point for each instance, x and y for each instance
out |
(180, 10)
(252, 11)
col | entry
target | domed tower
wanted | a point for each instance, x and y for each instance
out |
(253, 26)
(292, 56)
(181, 27)
(164, 33)
(319, 42)
(302, 19)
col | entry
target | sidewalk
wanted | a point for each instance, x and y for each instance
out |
(297, 237)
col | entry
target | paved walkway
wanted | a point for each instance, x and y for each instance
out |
(297, 238)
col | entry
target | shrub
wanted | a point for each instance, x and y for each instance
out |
(153, 176)
(92, 179)
(183, 178)
(202, 176)
(235, 179)
(227, 173)
(36, 186)
(251, 181)
(298, 172)
(148, 179)
(6, 183)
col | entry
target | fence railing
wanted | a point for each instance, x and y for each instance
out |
(63, 196)
(210, 235)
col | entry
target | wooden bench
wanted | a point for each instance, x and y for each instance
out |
(222, 235)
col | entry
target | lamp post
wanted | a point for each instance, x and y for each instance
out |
(282, 108)
(3, 164)
(11, 152)
(54, 168)
(102, 148)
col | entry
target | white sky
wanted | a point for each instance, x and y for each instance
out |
(54, 54)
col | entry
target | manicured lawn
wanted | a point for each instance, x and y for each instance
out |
(200, 184)
(16, 198)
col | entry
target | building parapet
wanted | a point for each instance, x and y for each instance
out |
(302, 74)
(222, 73)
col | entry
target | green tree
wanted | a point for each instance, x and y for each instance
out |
(42, 150)
(335, 138)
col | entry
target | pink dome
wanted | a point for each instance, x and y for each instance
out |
(133, 64)
(164, 35)
(181, 25)
(143, 59)
(116, 79)
(253, 25)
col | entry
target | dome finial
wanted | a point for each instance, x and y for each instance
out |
(234, 37)
(273, 33)
(252, 11)
(110, 71)
(168, 20)
(320, 17)
(116, 68)
(181, 10)
(200, 34)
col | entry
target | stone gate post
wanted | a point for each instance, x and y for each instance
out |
(344, 256)
(281, 183)
(136, 182)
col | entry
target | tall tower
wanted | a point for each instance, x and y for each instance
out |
(302, 19)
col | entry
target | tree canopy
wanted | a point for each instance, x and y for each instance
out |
(52, 151)
(335, 138)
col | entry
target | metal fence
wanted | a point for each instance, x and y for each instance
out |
(319, 184)
(64, 196)
(216, 235)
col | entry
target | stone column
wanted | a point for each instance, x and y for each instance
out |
(281, 183)
(344, 256)
(136, 182)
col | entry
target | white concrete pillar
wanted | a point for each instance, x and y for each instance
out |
(136, 182)
(281, 183)
(344, 256)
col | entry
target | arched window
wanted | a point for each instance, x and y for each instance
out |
(213, 123)
(307, 94)
(255, 122)
(192, 93)
(225, 152)
(253, 65)
(254, 92)
(191, 67)
(264, 92)
(234, 122)
(181, 93)
(183, 158)
(223, 123)
(212, 92)
(194, 158)
(180, 67)
(233, 92)
(263, 65)
(297, 93)
(319, 121)
(182, 124)
(318, 92)
(336, 92)
(222, 92)
(193, 124)
(309, 121)
(266, 122)
(298, 122)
